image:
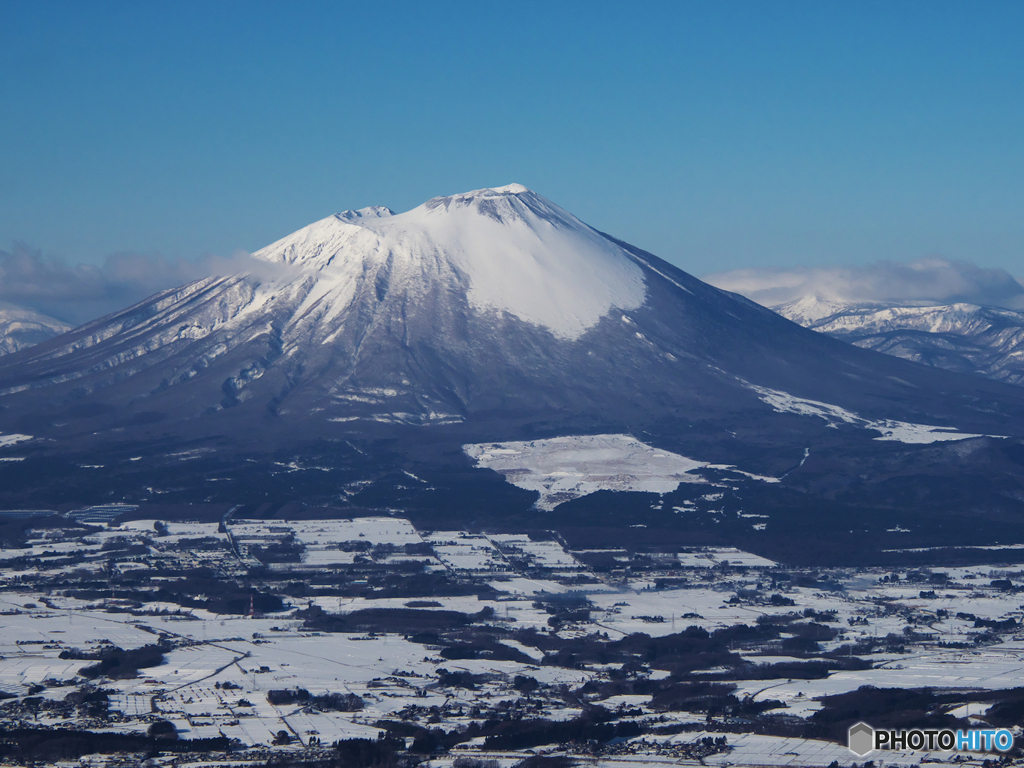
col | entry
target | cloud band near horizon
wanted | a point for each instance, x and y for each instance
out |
(79, 293)
(928, 280)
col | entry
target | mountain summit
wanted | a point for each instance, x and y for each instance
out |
(505, 250)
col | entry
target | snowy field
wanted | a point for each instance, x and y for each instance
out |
(331, 542)
(564, 468)
(218, 668)
(712, 556)
(536, 554)
(467, 553)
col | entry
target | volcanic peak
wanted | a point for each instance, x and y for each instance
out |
(505, 249)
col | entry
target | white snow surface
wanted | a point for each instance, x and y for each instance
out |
(808, 309)
(12, 439)
(564, 468)
(896, 431)
(509, 249)
(22, 327)
(479, 258)
(985, 340)
(834, 317)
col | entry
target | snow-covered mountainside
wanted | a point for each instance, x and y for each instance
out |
(493, 301)
(361, 355)
(507, 250)
(959, 337)
(21, 327)
(378, 299)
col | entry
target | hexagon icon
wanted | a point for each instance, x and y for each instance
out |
(860, 739)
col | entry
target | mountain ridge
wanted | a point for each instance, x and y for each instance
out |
(22, 327)
(960, 336)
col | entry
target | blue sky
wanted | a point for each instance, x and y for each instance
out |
(718, 135)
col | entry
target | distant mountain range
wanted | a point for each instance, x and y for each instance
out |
(968, 338)
(419, 360)
(21, 327)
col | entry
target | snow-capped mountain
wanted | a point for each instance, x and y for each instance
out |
(383, 315)
(372, 340)
(21, 327)
(493, 301)
(968, 338)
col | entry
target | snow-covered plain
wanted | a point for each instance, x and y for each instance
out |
(216, 677)
(329, 542)
(538, 554)
(467, 553)
(564, 468)
(712, 556)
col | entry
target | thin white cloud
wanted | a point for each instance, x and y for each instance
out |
(82, 292)
(929, 280)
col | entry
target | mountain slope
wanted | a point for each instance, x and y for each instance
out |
(968, 338)
(364, 352)
(492, 301)
(21, 327)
